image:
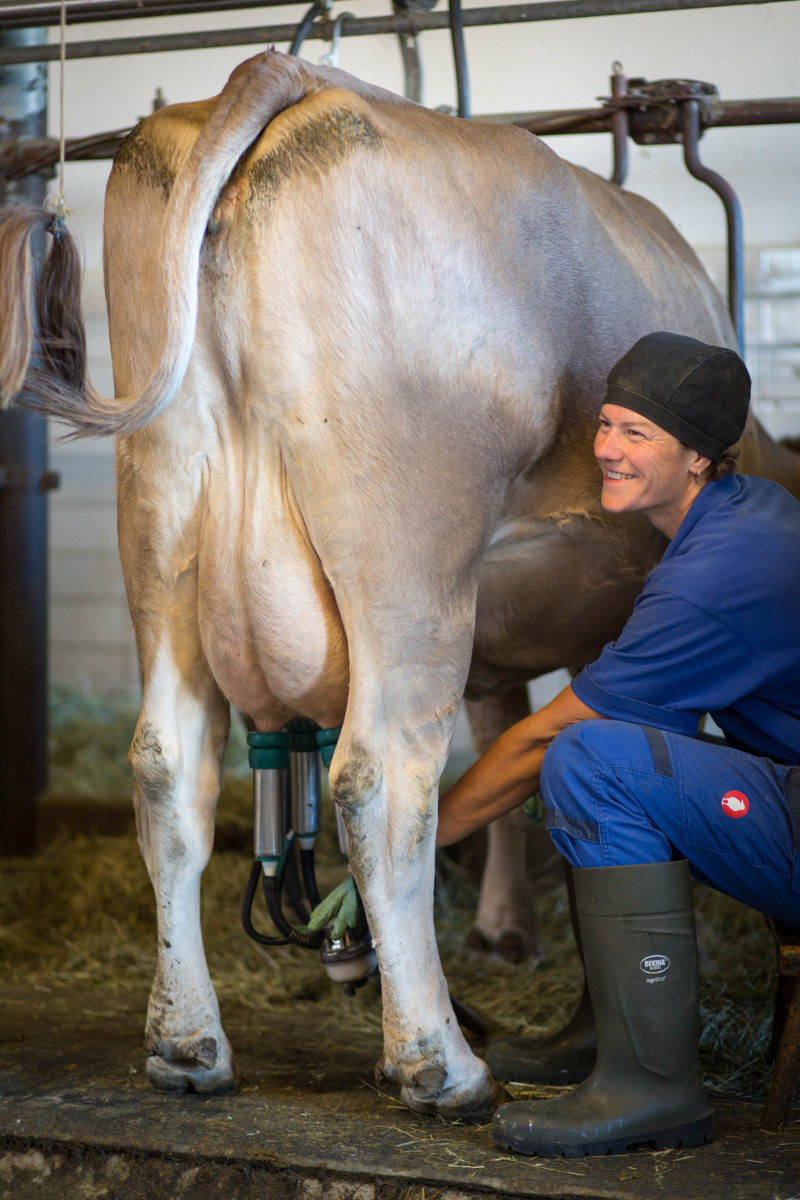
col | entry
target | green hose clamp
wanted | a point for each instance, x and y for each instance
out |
(326, 740)
(268, 751)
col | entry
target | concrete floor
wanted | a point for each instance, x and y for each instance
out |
(78, 1121)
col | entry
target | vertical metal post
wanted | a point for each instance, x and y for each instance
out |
(690, 126)
(620, 126)
(23, 519)
(459, 57)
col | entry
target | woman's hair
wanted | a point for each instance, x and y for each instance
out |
(721, 467)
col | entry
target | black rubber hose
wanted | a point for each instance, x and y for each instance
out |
(247, 911)
(469, 1018)
(301, 33)
(272, 897)
(309, 877)
(292, 886)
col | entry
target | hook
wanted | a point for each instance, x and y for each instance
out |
(331, 59)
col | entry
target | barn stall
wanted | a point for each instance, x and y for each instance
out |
(75, 946)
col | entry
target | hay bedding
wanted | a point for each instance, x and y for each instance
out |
(81, 912)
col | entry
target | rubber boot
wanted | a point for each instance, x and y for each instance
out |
(640, 951)
(564, 1057)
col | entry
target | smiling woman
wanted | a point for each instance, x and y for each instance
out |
(654, 445)
(636, 801)
(645, 469)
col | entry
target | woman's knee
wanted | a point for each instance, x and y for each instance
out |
(574, 755)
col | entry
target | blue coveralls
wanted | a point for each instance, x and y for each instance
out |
(715, 630)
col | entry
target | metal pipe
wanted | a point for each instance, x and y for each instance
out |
(18, 159)
(23, 521)
(547, 10)
(270, 811)
(412, 66)
(620, 127)
(304, 780)
(84, 12)
(456, 19)
(79, 12)
(690, 125)
(726, 114)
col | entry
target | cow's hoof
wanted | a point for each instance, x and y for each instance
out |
(458, 1104)
(169, 1077)
(511, 945)
(192, 1065)
(516, 947)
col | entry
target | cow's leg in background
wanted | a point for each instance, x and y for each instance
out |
(176, 757)
(505, 922)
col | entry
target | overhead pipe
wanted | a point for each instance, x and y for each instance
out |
(643, 126)
(84, 12)
(418, 22)
(20, 158)
(79, 12)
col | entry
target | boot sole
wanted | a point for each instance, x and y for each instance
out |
(696, 1133)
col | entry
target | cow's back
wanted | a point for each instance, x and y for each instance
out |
(456, 243)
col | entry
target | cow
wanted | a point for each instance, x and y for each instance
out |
(359, 349)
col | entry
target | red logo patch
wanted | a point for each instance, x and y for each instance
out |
(735, 804)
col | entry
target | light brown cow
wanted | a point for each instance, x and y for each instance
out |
(359, 349)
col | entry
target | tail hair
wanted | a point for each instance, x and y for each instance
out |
(44, 309)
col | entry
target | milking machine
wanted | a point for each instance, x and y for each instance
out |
(287, 802)
(287, 797)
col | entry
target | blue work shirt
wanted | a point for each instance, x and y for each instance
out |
(717, 626)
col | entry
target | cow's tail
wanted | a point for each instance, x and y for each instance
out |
(43, 353)
(48, 307)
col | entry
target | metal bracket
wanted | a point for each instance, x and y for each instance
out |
(662, 101)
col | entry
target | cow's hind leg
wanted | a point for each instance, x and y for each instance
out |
(404, 571)
(176, 758)
(406, 678)
(385, 777)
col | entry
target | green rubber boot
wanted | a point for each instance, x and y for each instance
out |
(640, 951)
(561, 1058)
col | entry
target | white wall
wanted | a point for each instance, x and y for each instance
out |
(749, 52)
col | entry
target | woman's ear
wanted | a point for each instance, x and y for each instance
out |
(699, 464)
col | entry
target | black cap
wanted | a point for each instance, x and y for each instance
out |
(698, 393)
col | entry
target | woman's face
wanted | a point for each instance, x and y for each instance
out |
(645, 469)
